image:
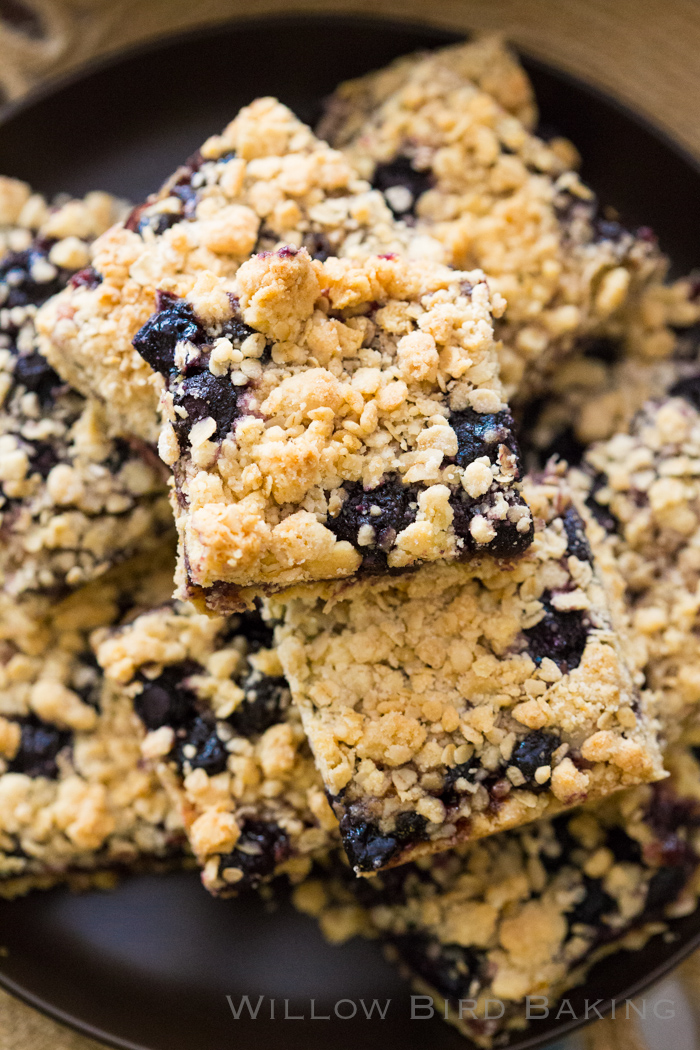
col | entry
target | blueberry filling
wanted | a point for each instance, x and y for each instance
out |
(260, 848)
(202, 395)
(577, 543)
(452, 790)
(18, 272)
(449, 968)
(594, 904)
(509, 541)
(689, 389)
(43, 458)
(318, 246)
(532, 752)
(158, 222)
(481, 434)
(625, 849)
(386, 510)
(87, 278)
(173, 322)
(40, 744)
(266, 700)
(34, 373)
(561, 636)
(401, 184)
(200, 747)
(167, 700)
(665, 885)
(600, 511)
(369, 849)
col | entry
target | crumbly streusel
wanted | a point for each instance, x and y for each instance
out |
(73, 500)
(226, 742)
(332, 418)
(75, 796)
(529, 912)
(431, 134)
(266, 181)
(462, 700)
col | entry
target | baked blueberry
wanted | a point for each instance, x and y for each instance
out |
(40, 745)
(167, 699)
(402, 184)
(561, 636)
(260, 848)
(174, 322)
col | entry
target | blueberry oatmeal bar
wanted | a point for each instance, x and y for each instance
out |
(332, 418)
(265, 182)
(643, 488)
(486, 61)
(225, 740)
(459, 167)
(529, 912)
(461, 700)
(73, 500)
(76, 799)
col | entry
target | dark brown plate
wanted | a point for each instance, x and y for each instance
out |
(150, 965)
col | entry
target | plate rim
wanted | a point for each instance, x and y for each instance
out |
(15, 108)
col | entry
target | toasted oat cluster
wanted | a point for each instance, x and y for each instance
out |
(643, 487)
(529, 912)
(265, 182)
(438, 140)
(333, 418)
(225, 740)
(75, 798)
(466, 699)
(73, 500)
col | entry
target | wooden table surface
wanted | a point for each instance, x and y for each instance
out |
(642, 52)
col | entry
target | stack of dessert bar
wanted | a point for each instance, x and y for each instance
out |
(429, 421)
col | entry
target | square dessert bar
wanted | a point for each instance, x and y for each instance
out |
(73, 500)
(76, 801)
(433, 134)
(266, 181)
(529, 912)
(644, 489)
(331, 419)
(461, 700)
(225, 740)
